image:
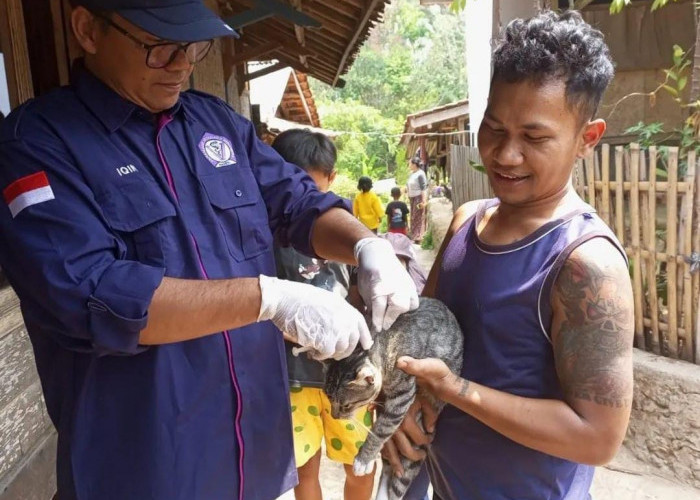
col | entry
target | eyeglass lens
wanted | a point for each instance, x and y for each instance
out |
(162, 55)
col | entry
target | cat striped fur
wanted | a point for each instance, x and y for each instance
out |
(431, 331)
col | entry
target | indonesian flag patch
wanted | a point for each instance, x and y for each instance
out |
(27, 191)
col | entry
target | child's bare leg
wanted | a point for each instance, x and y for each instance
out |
(358, 487)
(309, 487)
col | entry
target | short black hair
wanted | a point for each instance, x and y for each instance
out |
(396, 192)
(551, 46)
(309, 150)
(364, 184)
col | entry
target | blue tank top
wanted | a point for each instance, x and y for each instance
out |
(501, 298)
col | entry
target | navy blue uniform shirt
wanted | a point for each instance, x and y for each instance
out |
(101, 201)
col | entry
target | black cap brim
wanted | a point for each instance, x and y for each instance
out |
(189, 22)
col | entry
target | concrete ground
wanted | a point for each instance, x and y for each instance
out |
(624, 479)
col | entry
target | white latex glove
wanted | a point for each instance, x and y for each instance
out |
(383, 282)
(320, 321)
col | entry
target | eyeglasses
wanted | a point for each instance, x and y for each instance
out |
(160, 55)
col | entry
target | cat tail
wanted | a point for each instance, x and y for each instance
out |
(392, 487)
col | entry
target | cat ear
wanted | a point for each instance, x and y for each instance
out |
(365, 376)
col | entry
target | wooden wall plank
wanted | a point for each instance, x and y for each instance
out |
(17, 367)
(13, 45)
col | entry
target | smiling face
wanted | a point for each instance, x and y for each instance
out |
(530, 139)
(121, 63)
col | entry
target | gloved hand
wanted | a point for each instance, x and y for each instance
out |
(320, 321)
(383, 282)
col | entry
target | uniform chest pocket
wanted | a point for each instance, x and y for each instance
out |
(138, 209)
(240, 211)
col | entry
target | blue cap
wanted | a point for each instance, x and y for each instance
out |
(176, 20)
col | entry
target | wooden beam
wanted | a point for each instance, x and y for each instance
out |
(267, 8)
(439, 116)
(299, 32)
(13, 44)
(253, 52)
(334, 9)
(264, 71)
(248, 17)
(372, 4)
(303, 98)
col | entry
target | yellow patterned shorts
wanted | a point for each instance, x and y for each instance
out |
(312, 421)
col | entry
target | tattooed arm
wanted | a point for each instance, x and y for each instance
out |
(592, 333)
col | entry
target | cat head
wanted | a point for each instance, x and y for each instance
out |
(351, 383)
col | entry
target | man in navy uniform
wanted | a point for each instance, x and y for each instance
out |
(137, 232)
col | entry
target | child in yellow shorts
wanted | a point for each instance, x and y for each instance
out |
(311, 419)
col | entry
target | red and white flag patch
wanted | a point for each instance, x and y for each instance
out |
(27, 191)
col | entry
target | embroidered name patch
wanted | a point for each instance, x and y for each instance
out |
(218, 150)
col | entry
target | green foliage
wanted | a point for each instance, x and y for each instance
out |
(344, 186)
(477, 166)
(616, 6)
(427, 242)
(645, 132)
(366, 150)
(457, 6)
(414, 60)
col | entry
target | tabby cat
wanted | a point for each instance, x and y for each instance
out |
(431, 331)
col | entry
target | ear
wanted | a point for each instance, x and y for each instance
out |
(331, 178)
(85, 28)
(365, 376)
(591, 134)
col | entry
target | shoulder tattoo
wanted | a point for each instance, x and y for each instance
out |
(593, 346)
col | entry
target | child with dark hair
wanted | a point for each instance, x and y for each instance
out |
(539, 284)
(311, 418)
(367, 206)
(396, 213)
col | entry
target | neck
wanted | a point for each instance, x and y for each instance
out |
(100, 74)
(545, 208)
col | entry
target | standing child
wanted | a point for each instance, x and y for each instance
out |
(311, 417)
(396, 213)
(367, 206)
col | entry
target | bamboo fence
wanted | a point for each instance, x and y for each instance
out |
(648, 197)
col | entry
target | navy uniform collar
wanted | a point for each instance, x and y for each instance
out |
(108, 106)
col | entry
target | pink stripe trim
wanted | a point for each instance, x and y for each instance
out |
(162, 122)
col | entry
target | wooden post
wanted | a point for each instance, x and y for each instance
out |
(13, 45)
(619, 196)
(644, 215)
(696, 248)
(590, 180)
(636, 253)
(686, 350)
(605, 177)
(651, 247)
(672, 252)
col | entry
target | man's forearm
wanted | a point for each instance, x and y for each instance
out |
(547, 425)
(335, 233)
(189, 309)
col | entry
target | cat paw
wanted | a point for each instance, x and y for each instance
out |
(362, 468)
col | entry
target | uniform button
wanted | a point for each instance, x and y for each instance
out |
(239, 193)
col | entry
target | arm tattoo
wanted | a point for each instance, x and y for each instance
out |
(464, 388)
(594, 344)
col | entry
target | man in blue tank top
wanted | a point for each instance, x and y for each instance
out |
(539, 285)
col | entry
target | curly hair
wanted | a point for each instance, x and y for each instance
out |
(551, 46)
